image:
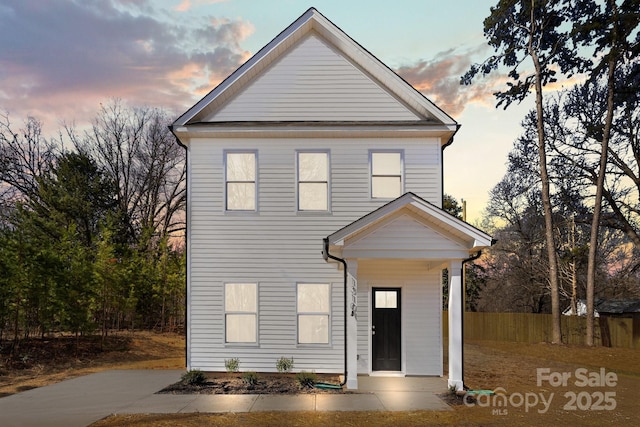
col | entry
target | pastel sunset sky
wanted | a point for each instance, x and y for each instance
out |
(59, 59)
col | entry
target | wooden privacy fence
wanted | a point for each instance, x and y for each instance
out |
(532, 327)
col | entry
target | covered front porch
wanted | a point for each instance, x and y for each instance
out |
(394, 258)
(402, 394)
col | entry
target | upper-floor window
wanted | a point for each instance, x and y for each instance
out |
(241, 307)
(386, 174)
(313, 181)
(240, 181)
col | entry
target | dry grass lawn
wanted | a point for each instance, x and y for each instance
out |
(43, 366)
(488, 365)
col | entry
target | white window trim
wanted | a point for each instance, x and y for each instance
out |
(256, 314)
(402, 178)
(297, 183)
(327, 313)
(226, 182)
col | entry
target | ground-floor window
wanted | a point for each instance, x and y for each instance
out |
(240, 306)
(313, 306)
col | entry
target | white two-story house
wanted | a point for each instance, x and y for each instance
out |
(315, 228)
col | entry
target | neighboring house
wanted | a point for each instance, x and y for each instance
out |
(611, 308)
(619, 308)
(581, 308)
(311, 157)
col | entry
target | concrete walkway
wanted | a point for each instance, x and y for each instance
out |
(84, 400)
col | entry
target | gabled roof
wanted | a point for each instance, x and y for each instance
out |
(431, 214)
(619, 306)
(314, 22)
(627, 306)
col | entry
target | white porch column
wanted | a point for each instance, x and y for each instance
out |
(456, 311)
(352, 324)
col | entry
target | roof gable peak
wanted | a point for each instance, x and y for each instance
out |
(312, 21)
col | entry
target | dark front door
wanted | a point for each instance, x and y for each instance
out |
(386, 330)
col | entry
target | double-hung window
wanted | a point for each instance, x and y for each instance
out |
(386, 174)
(313, 181)
(313, 313)
(240, 306)
(240, 181)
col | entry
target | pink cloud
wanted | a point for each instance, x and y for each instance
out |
(439, 80)
(183, 7)
(72, 56)
(186, 5)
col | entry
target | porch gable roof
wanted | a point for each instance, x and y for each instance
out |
(462, 235)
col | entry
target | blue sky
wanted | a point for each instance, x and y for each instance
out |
(59, 59)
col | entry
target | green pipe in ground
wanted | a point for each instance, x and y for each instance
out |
(327, 386)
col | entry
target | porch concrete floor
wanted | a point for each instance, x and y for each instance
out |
(367, 384)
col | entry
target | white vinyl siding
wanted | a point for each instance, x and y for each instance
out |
(386, 174)
(364, 327)
(253, 228)
(402, 233)
(277, 247)
(313, 181)
(421, 308)
(422, 322)
(240, 181)
(313, 313)
(240, 304)
(313, 82)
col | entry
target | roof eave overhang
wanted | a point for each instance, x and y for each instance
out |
(399, 254)
(316, 129)
(477, 239)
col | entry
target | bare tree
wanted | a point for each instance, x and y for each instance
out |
(25, 155)
(137, 150)
(611, 28)
(521, 30)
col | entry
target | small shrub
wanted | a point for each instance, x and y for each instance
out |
(194, 377)
(232, 365)
(306, 379)
(284, 365)
(250, 378)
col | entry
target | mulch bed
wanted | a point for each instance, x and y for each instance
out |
(268, 383)
(454, 399)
